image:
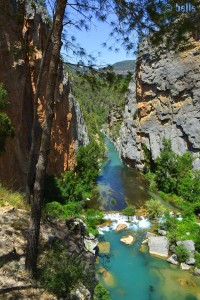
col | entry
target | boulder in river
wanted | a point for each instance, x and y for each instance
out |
(109, 279)
(158, 245)
(120, 227)
(127, 240)
(104, 247)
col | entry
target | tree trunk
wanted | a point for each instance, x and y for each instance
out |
(33, 155)
(34, 228)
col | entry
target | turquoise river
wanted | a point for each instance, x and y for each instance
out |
(130, 273)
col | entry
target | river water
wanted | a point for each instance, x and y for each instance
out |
(130, 272)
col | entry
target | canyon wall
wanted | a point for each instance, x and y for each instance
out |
(163, 101)
(23, 33)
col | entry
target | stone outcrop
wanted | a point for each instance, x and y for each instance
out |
(23, 34)
(163, 101)
(158, 245)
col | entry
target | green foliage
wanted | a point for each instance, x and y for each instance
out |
(151, 177)
(92, 219)
(174, 175)
(98, 93)
(61, 272)
(3, 95)
(6, 129)
(182, 230)
(80, 184)
(147, 155)
(100, 293)
(129, 211)
(181, 252)
(170, 222)
(55, 209)
(154, 208)
(197, 260)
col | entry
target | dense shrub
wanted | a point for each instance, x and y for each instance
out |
(129, 211)
(61, 272)
(174, 174)
(92, 219)
(154, 208)
(98, 93)
(55, 209)
(80, 184)
(181, 252)
(100, 293)
(197, 260)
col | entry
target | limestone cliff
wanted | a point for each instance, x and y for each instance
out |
(23, 33)
(163, 101)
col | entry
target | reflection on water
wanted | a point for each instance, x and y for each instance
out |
(118, 185)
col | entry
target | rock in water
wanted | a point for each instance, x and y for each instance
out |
(104, 247)
(173, 259)
(120, 227)
(158, 245)
(109, 279)
(127, 240)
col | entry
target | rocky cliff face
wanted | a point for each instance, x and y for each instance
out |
(23, 33)
(163, 101)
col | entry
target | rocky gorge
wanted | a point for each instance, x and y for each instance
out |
(162, 101)
(23, 34)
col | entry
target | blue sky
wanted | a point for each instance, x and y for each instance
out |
(92, 42)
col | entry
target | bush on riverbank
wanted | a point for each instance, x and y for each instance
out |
(154, 208)
(175, 179)
(181, 252)
(178, 184)
(60, 273)
(100, 293)
(129, 211)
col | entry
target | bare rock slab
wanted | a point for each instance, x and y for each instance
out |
(127, 240)
(158, 245)
(120, 227)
